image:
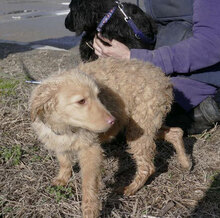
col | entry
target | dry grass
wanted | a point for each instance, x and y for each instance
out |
(26, 169)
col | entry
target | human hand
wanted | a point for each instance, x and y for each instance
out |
(115, 50)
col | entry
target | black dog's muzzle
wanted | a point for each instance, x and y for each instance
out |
(68, 23)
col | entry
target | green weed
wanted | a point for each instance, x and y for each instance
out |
(214, 177)
(12, 154)
(60, 192)
(7, 210)
(36, 158)
(7, 86)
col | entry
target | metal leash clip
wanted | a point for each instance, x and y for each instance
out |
(120, 6)
(137, 36)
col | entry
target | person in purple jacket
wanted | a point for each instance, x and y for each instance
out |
(187, 50)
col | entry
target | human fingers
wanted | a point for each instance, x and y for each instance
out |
(97, 46)
(104, 39)
(101, 49)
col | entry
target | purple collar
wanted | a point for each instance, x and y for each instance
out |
(138, 33)
(105, 19)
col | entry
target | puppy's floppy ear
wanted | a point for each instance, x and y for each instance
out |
(43, 101)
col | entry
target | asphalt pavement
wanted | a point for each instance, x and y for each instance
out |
(37, 22)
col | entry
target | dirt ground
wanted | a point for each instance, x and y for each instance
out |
(26, 169)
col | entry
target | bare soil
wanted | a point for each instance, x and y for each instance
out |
(26, 168)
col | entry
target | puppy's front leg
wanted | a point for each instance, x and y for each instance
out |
(64, 171)
(90, 159)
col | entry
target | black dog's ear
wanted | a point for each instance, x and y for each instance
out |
(143, 21)
(84, 15)
(146, 24)
(42, 101)
(152, 25)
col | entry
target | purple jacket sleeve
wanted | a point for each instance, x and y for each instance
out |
(197, 52)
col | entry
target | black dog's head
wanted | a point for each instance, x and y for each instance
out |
(85, 16)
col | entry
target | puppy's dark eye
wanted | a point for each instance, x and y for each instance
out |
(82, 101)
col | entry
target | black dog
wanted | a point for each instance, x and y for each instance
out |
(86, 15)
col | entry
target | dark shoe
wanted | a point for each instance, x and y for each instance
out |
(201, 118)
(204, 116)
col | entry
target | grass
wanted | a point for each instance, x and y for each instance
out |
(11, 154)
(26, 169)
(7, 86)
(60, 192)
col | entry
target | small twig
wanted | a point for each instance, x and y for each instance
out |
(26, 71)
(166, 208)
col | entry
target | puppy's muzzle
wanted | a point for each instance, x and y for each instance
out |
(111, 120)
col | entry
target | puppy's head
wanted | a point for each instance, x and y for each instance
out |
(70, 101)
(83, 15)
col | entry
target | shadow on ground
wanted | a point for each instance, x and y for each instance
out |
(68, 42)
(127, 168)
(211, 200)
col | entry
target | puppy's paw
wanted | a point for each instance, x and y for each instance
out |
(90, 213)
(90, 208)
(185, 162)
(59, 182)
(128, 191)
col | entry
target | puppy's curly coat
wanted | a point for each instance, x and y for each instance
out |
(71, 112)
(84, 16)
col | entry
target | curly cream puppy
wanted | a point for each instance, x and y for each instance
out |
(77, 110)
